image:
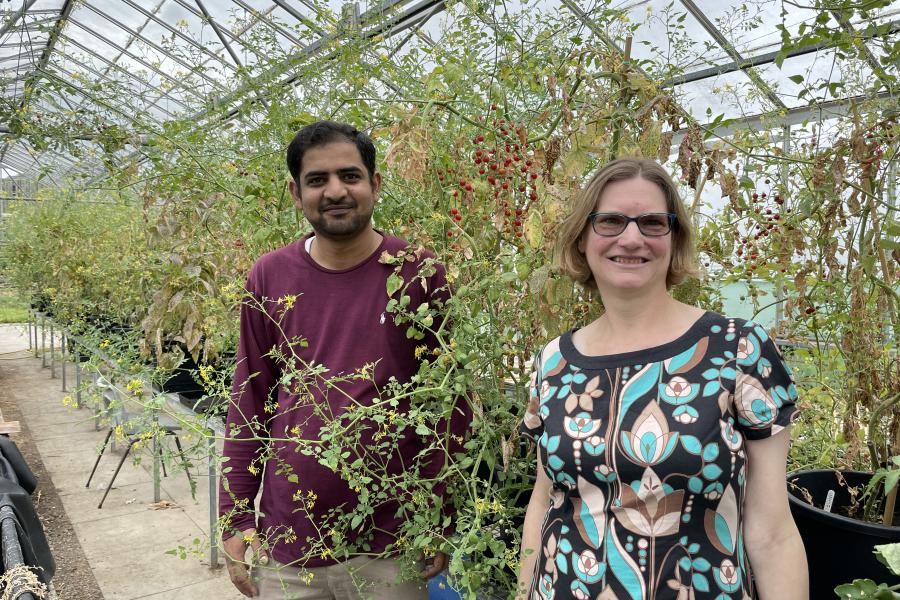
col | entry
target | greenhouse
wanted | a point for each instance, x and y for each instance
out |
(240, 355)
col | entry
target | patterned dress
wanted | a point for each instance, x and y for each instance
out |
(645, 451)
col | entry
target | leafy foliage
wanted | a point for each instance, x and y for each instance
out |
(485, 136)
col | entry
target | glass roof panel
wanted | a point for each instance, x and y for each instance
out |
(172, 61)
(731, 94)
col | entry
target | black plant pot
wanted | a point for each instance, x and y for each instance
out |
(191, 393)
(183, 382)
(838, 549)
(104, 324)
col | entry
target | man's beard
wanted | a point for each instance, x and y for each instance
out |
(340, 228)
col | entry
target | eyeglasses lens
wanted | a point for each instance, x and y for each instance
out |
(611, 224)
(653, 224)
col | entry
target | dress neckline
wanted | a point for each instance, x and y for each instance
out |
(643, 356)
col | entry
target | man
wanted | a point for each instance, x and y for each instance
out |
(320, 301)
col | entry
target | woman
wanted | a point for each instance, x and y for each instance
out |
(662, 430)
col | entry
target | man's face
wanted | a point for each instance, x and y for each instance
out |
(335, 192)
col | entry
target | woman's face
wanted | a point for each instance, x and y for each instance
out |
(630, 260)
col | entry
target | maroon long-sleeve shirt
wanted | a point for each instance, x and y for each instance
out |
(342, 320)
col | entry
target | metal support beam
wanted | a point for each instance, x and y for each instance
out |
(114, 109)
(713, 31)
(29, 54)
(107, 77)
(275, 27)
(877, 70)
(764, 59)
(43, 341)
(221, 33)
(135, 35)
(14, 18)
(64, 14)
(52, 350)
(793, 116)
(177, 33)
(314, 48)
(77, 349)
(137, 59)
(62, 362)
(218, 31)
(293, 12)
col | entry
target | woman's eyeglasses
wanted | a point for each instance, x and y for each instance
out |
(610, 224)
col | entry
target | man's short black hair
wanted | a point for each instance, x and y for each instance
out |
(321, 133)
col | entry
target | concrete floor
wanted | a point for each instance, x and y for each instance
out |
(126, 541)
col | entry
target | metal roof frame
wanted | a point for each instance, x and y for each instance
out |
(220, 103)
(713, 31)
(178, 34)
(105, 75)
(277, 28)
(112, 65)
(136, 35)
(766, 58)
(786, 118)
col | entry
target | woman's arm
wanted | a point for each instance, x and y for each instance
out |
(772, 540)
(531, 532)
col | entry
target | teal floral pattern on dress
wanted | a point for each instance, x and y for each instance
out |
(646, 454)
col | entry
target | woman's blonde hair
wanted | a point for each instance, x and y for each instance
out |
(572, 260)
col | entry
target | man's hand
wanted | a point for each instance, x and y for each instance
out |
(235, 550)
(434, 565)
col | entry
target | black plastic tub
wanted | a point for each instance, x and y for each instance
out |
(183, 381)
(838, 549)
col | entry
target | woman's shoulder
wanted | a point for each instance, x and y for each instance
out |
(738, 326)
(548, 357)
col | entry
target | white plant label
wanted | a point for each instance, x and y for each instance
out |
(829, 500)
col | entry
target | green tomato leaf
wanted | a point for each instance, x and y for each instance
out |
(394, 283)
(889, 555)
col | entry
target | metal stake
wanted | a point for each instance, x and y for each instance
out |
(156, 450)
(213, 505)
(43, 342)
(63, 359)
(52, 353)
(77, 375)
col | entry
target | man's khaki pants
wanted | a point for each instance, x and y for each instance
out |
(360, 578)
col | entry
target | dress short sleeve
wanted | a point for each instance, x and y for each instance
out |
(765, 396)
(532, 424)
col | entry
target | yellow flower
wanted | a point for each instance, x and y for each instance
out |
(206, 372)
(420, 350)
(288, 300)
(104, 344)
(253, 469)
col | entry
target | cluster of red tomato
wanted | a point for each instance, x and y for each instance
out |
(503, 159)
(768, 217)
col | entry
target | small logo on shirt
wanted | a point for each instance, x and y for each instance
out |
(382, 318)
